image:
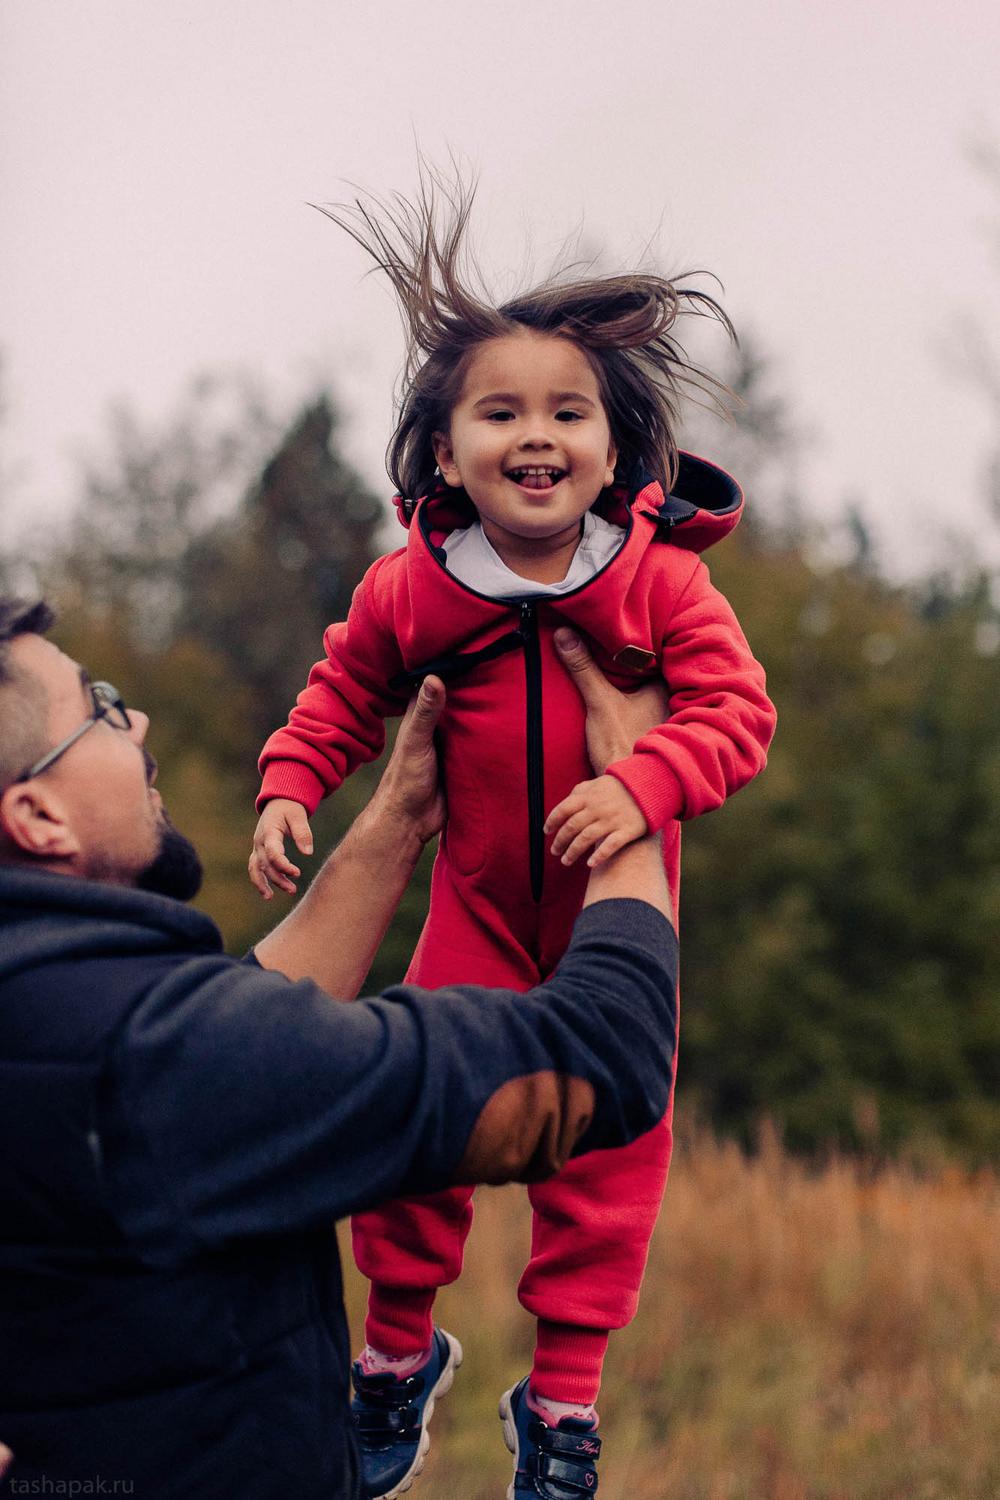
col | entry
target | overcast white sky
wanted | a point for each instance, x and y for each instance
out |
(156, 157)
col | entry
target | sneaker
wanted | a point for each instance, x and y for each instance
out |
(391, 1415)
(555, 1463)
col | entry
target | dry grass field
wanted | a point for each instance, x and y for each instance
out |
(806, 1333)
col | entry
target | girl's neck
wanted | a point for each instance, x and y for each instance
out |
(538, 559)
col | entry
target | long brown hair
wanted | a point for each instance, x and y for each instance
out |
(623, 324)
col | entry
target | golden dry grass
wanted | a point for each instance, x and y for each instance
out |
(805, 1334)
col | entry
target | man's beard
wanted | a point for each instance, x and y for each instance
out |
(176, 868)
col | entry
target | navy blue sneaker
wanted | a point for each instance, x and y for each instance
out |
(555, 1463)
(390, 1418)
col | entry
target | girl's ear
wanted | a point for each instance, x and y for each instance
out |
(609, 473)
(445, 455)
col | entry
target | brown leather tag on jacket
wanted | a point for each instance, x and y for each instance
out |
(634, 659)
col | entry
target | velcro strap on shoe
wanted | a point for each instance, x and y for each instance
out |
(386, 1391)
(585, 1445)
(390, 1425)
(564, 1459)
(572, 1478)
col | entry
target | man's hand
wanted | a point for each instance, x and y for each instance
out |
(333, 933)
(268, 860)
(614, 720)
(601, 815)
(598, 815)
(409, 793)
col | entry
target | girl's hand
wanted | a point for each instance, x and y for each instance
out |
(268, 861)
(599, 815)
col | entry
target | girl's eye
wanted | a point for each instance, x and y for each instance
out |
(569, 416)
(500, 416)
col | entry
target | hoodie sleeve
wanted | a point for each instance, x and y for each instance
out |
(337, 723)
(238, 1104)
(721, 719)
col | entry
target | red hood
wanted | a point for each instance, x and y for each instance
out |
(703, 506)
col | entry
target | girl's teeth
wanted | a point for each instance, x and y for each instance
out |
(534, 479)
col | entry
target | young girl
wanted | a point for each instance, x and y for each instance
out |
(539, 477)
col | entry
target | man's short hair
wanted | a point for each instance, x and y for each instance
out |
(23, 700)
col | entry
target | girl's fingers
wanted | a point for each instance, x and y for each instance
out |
(575, 802)
(555, 819)
(608, 846)
(274, 859)
(298, 827)
(583, 841)
(258, 878)
(270, 864)
(566, 828)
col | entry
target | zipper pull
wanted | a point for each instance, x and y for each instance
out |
(526, 628)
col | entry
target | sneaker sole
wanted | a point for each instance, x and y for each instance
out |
(510, 1436)
(441, 1388)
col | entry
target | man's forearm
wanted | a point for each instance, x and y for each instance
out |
(635, 871)
(334, 932)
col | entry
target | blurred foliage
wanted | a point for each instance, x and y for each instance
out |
(803, 1334)
(840, 917)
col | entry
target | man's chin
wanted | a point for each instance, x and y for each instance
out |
(176, 869)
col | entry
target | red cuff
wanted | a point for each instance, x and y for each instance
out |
(290, 778)
(655, 789)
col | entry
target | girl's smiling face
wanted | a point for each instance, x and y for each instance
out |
(529, 441)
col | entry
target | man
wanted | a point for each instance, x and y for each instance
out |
(181, 1129)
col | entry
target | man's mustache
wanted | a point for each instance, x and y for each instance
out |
(151, 766)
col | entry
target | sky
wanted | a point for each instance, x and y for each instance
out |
(158, 159)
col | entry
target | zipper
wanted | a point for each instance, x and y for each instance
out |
(527, 636)
(528, 631)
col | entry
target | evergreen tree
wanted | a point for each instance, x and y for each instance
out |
(841, 948)
(264, 582)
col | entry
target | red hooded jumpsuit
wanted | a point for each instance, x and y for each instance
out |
(513, 746)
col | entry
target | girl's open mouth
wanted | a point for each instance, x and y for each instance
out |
(536, 476)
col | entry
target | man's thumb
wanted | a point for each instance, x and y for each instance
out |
(572, 650)
(591, 683)
(430, 698)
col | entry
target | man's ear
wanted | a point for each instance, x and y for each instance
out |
(445, 455)
(35, 820)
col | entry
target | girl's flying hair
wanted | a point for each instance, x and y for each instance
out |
(623, 324)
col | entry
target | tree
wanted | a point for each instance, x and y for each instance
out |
(841, 951)
(200, 569)
(263, 583)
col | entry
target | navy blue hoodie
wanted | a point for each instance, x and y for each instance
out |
(180, 1130)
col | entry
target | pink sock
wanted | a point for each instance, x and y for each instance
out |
(373, 1362)
(552, 1412)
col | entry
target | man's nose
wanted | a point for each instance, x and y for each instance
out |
(140, 724)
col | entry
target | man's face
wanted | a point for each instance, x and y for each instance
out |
(102, 787)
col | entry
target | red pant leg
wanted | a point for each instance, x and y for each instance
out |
(590, 1239)
(412, 1246)
(592, 1223)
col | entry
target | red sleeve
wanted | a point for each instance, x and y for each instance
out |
(721, 719)
(337, 722)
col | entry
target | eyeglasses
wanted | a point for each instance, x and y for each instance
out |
(108, 704)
